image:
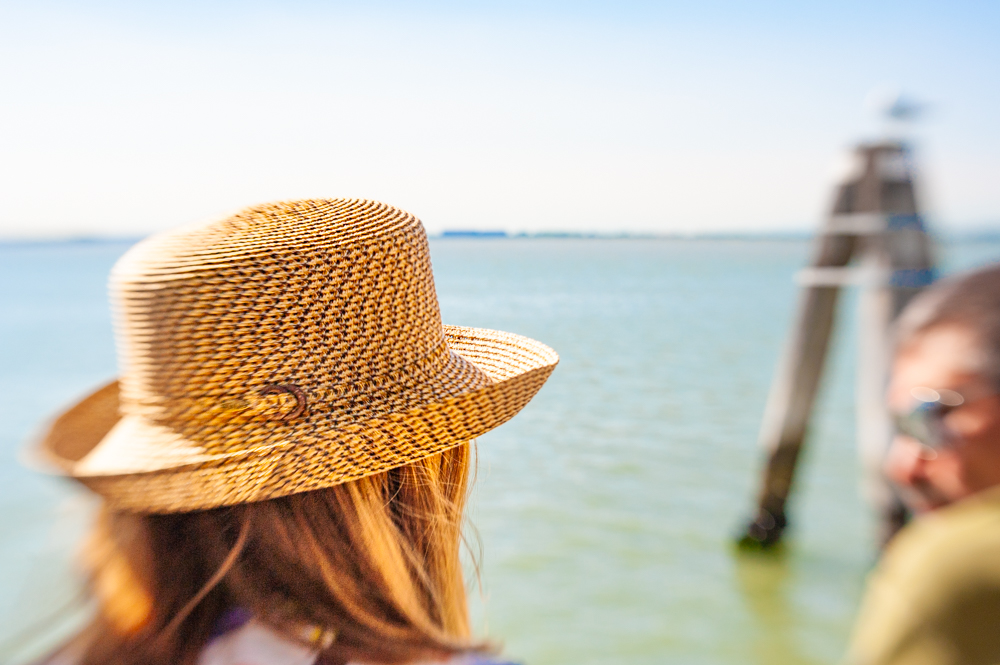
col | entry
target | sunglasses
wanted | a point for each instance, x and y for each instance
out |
(925, 422)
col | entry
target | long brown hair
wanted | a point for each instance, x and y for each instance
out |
(374, 562)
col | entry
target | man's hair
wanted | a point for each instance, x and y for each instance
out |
(969, 300)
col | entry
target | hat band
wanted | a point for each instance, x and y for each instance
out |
(285, 400)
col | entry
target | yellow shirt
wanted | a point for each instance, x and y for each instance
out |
(935, 597)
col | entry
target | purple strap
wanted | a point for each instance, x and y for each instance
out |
(232, 619)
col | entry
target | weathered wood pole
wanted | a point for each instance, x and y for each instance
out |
(900, 256)
(861, 225)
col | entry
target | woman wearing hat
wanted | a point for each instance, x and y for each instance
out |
(285, 457)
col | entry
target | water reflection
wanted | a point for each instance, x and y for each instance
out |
(764, 579)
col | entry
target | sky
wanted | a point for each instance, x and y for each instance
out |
(124, 118)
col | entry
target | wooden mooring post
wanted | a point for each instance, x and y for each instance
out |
(876, 224)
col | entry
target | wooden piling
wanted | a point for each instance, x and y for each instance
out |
(873, 220)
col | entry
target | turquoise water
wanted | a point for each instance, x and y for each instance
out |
(606, 509)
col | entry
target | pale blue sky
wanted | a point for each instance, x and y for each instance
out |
(129, 117)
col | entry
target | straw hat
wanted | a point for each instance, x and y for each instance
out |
(290, 347)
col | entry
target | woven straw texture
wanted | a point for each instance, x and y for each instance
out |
(289, 347)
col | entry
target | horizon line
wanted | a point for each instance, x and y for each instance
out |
(499, 234)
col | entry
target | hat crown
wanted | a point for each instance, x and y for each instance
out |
(306, 295)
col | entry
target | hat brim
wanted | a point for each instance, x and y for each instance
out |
(140, 466)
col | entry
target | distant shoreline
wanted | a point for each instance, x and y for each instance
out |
(796, 236)
(572, 235)
(88, 240)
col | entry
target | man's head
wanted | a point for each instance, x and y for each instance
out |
(947, 372)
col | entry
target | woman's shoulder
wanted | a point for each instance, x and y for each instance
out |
(256, 643)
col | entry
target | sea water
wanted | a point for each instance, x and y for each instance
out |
(605, 511)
